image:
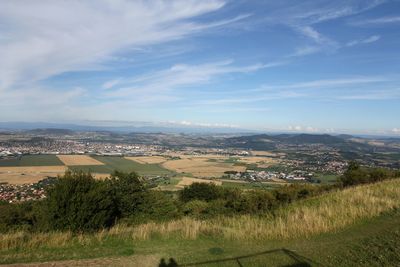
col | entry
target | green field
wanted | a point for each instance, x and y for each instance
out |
(121, 164)
(32, 160)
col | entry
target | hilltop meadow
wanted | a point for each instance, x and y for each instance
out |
(120, 220)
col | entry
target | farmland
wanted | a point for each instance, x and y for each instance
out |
(148, 159)
(190, 166)
(121, 164)
(77, 160)
(32, 168)
(23, 175)
(202, 166)
(32, 160)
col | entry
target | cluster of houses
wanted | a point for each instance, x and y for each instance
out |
(253, 176)
(18, 193)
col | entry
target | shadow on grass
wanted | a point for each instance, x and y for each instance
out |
(296, 260)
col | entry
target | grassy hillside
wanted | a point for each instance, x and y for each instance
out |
(357, 226)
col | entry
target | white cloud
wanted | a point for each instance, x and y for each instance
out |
(396, 130)
(203, 124)
(377, 21)
(326, 83)
(368, 40)
(179, 75)
(305, 50)
(46, 38)
(111, 83)
(304, 17)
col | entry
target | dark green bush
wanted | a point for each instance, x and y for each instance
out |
(200, 191)
(129, 192)
(80, 203)
(355, 175)
(17, 216)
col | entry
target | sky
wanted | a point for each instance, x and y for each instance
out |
(299, 66)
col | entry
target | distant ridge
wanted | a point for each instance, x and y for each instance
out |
(133, 127)
(51, 131)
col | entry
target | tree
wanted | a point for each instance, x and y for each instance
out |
(129, 191)
(80, 203)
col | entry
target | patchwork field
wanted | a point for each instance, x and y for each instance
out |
(121, 164)
(78, 160)
(32, 168)
(148, 160)
(201, 167)
(32, 160)
(263, 162)
(23, 175)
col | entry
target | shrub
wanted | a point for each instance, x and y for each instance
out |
(254, 201)
(156, 206)
(129, 192)
(195, 207)
(355, 174)
(16, 216)
(200, 191)
(80, 203)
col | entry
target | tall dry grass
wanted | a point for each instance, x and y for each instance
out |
(327, 213)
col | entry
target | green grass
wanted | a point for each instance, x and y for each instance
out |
(32, 160)
(113, 163)
(373, 242)
(368, 240)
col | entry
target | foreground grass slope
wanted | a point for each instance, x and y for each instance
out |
(341, 228)
(326, 213)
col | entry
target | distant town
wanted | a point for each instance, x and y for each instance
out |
(249, 159)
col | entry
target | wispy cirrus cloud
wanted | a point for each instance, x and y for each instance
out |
(327, 89)
(179, 76)
(46, 38)
(305, 16)
(376, 21)
(368, 40)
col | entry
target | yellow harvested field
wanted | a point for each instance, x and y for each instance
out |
(76, 160)
(265, 161)
(201, 167)
(188, 181)
(262, 153)
(27, 175)
(148, 160)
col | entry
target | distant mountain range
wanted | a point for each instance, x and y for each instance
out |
(123, 127)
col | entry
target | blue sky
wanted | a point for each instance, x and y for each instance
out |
(301, 66)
